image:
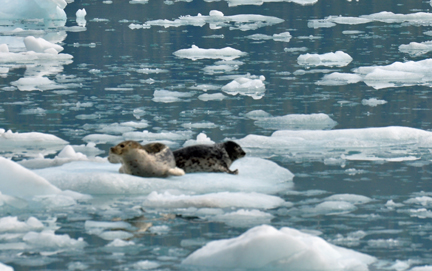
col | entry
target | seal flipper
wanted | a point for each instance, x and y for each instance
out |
(234, 172)
(176, 171)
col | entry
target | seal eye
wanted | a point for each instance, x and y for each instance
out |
(122, 145)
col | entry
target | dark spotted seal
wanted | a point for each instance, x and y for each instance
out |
(209, 158)
(150, 160)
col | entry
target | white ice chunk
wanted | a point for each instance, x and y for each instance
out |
(424, 201)
(354, 199)
(258, 114)
(419, 18)
(66, 155)
(233, 3)
(167, 96)
(34, 9)
(80, 17)
(4, 267)
(20, 182)
(290, 250)
(244, 218)
(373, 102)
(385, 143)
(319, 121)
(200, 125)
(422, 268)
(12, 224)
(103, 178)
(338, 79)
(213, 200)
(195, 53)
(120, 243)
(201, 139)
(283, 37)
(247, 86)
(216, 20)
(416, 48)
(47, 239)
(39, 45)
(337, 59)
(211, 97)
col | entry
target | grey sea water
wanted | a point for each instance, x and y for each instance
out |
(124, 70)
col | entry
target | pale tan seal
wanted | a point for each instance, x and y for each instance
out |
(150, 160)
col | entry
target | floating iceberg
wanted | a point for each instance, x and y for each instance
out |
(167, 96)
(416, 48)
(103, 178)
(337, 59)
(216, 20)
(373, 102)
(283, 37)
(419, 18)
(34, 9)
(248, 86)
(30, 144)
(234, 3)
(339, 79)
(368, 144)
(397, 74)
(297, 122)
(290, 250)
(195, 53)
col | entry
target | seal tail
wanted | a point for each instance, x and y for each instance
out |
(176, 171)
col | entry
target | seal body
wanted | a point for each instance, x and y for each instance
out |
(150, 160)
(209, 158)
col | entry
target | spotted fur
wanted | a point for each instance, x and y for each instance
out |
(209, 158)
(151, 160)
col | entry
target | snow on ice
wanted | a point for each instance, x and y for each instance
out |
(290, 249)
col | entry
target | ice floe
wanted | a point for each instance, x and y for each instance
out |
(216, 20)
(373, 102)
(419, 18)
(80, 17)
(337, 59)
(103, 178)
(195, 53)
(397, 74)
(283, 37)
(32, 144)
(319, 121)
(368, 144)
(248, 85)
(168, 96)
(234, 3)
(33, 9)
(416, 48)
(291, 249)
(213, 200)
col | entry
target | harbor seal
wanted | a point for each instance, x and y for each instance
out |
(150, 160)
(209, 158)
